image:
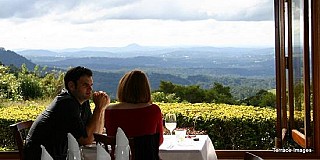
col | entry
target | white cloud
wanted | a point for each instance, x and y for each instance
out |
(61, 24)
(231, 10)
(140, 9)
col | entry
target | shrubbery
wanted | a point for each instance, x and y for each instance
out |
(14, 112)
(162, 97)
(194, 94)
(9, 86)
(228, 126)
(23, 84)
(216, 94)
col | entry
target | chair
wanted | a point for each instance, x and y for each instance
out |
(146, 147)
(142, 147)
(106, 141)
(251, 156)
(20, 131)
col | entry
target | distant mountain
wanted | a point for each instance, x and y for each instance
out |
(205, 60)
(106, 81)
(8, 58)
(134, 50)
(35, 53)
(244, 65)
(234, 67)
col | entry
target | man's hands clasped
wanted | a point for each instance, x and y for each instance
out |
(101, 100)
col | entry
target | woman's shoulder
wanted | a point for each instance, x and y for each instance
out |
(131, 106)
(113, 106)
(121, 105)
(155, 107)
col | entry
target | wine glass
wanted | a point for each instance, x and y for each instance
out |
(170, 122)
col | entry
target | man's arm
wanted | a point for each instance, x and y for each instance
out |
(96, 123)
(101, 122)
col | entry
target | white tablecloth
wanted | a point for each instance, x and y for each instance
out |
(172, 150)
(188, 149)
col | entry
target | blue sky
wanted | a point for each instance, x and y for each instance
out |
(60, 24)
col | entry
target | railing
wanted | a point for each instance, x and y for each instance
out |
(221, 154)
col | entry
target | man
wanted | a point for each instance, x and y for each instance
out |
(68, 113)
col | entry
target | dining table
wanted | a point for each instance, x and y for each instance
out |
(193, 147)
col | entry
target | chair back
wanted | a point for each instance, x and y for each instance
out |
(251, 156)
(146, 147)
(106, 141)
(20, 132)
(142, 147)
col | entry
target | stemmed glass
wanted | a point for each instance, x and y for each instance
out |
(170, 122)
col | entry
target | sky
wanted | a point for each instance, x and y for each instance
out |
(61, 24)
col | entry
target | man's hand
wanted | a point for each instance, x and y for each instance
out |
(101, 100)
(96, 123)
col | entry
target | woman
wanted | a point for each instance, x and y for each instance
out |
(134, 114)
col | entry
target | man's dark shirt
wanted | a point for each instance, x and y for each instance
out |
(64, 115)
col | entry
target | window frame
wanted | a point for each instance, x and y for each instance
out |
(282, 63)
(304, 138)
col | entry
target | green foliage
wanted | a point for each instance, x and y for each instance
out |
(13, 112)
(263, 99)
(219, 94)
(162, 97)
(17, 84)
(8, 85)
(194, 94)
(29, 84)
(52, 83)
(229, 126)
(298, 94)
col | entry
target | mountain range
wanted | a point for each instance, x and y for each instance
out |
(235, 67)
(211, 61)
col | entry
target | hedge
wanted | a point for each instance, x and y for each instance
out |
(23, 111)
(228, 126)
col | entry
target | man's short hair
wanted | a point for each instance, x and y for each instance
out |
(74, 75)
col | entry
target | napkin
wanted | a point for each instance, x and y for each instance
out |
(102, 154)
(73, 148)
(44, 154)
(122, 150)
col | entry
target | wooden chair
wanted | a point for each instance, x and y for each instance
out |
(20, 131)
(251, 156)
(142, 147)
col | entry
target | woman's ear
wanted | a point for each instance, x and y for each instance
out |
(71, 86)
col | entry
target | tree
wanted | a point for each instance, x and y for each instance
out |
(30, 86)
(166, 87)
(219, 94)
(165, 97)
(194, 94)
(262, 98)
(8, 84)
(17, 84)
